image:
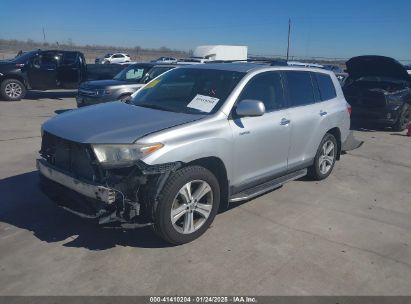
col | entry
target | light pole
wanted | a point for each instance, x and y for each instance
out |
(289, 34)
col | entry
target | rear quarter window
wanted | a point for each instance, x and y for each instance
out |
(326, 86)
(299, 88)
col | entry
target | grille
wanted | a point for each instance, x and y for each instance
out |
(69, 156)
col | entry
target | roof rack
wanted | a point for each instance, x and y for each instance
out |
(272, 62)
(239, 61)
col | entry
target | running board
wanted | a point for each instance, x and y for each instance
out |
(267, 186)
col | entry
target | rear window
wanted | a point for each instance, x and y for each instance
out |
(299, 88)
(326, 86)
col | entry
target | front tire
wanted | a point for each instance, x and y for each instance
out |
(12, 90)
(325, 158)
(187, 205)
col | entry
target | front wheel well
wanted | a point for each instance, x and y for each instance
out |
(337, 134)
(217, 167)
(17, 77)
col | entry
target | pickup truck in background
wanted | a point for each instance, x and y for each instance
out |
(48, 70)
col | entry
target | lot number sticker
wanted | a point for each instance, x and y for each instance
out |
(203, 103)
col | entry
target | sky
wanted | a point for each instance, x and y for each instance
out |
(332, 29)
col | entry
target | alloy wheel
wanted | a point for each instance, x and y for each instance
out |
(191, 206)
(327, 157)
(13, 90)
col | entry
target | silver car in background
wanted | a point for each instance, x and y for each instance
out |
(193, 140)
(122, 86)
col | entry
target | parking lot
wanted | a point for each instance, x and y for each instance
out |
(347, 235)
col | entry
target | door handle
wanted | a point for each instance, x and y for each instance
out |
(323, 113)
(285, 121)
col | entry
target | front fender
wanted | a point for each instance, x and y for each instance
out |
(200, 139)
(190, 151)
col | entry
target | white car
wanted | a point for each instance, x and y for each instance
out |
(165, 60)
(114, 58)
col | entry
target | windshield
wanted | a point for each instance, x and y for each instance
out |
(107, 55)
(188, 90)
(23, 57)
(133, 73)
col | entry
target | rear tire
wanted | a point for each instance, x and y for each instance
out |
(325, 158)
(187, 205)
(403, 120)
(12, 90)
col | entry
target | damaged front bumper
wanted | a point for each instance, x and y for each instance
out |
(126, 202)
(93, 191)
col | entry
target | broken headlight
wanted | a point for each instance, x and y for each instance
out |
(123, 155)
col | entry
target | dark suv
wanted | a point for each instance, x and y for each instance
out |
(41, 70)
(379, 91)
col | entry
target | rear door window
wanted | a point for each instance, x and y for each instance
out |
(266, 87)
(326, 86)
(299, 88)
(69, 58)
(49, 59)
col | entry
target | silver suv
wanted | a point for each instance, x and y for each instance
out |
(191, 141)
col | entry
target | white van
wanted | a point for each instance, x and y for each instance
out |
(206, 53)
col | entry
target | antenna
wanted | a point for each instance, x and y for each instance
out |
(289, 34)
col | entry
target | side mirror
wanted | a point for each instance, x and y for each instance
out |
(250, 107)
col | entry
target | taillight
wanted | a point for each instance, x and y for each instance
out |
(349, 109)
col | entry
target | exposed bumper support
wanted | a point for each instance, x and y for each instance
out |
(98, 192)
(351, 143)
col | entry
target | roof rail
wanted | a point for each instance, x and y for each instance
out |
(239, 61)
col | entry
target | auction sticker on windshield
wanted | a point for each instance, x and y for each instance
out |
(203, 103)
(152, 84)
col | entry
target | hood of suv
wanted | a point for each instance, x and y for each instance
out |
(104, 84)
(113, 123)
(380, 66)
(7, 65)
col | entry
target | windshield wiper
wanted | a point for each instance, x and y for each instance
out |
(194, 111)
